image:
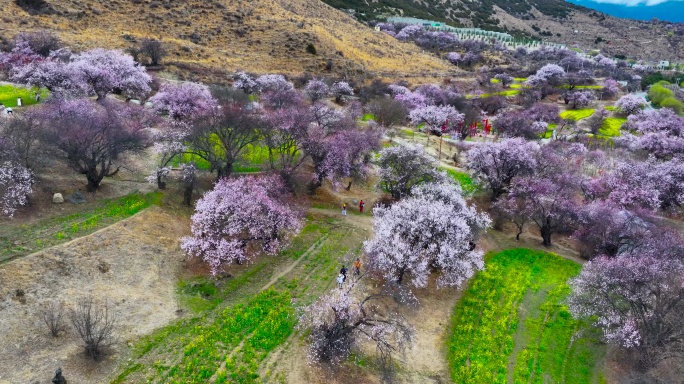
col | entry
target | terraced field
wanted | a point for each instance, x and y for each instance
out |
(248, 315)
(511, 325)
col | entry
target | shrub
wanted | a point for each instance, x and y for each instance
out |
(658, 93)
(673, 104)
(95, 325)
(53, 318)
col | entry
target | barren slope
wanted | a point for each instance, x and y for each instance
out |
(132, 265)
(221, 36)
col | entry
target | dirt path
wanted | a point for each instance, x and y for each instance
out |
(292, 266)
(132, 265)
(425, 361)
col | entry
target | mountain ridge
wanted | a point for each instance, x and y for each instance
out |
(210, 39)
(554, 20)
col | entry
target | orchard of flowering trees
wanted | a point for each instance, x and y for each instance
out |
(619, 201)
(97, 72)
(92, 137)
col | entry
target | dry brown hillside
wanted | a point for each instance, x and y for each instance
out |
(219, 36)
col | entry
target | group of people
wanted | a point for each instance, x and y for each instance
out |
(342, 277)
(5, 110)
(344, 208)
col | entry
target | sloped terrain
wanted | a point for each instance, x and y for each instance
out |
(131, 265)
(215, 37)
(553, 20)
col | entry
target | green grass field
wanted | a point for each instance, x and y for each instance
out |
(611, 126)
(236, 324)
(577, 114)
(511, 325)
(511, 92)
(9, 95)
(549, 131)
(462, 178)
(21, 240)
(252, 160)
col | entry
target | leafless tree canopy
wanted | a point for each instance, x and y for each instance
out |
(340, 320)
(53, 316)
(95, 325)
(153, 49)
(387, 111)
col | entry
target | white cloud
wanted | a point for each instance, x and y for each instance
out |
(632, 3)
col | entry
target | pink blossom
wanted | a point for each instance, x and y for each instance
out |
(238, 219)
(630, 104)
(185, 100)
(433, 228)
(316, 90)
(16, 184)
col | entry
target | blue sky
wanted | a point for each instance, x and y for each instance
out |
(633, 3)
(670, 10)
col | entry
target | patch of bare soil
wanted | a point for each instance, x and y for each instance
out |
(132, 265)
(425, 360)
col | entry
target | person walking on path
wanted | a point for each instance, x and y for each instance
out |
(344, 209)
(357, 266)
(340, 280)
(361, 204)
(343, 272)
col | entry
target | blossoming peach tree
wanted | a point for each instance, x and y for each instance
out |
(240, 218)
(433, 229)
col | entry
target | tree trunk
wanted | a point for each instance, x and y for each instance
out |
(224, 171)
(314, 185)
(288, 180)
(349, 186)
(517, 235)
(161, 184)
(401, 275)
(546, 232)
(94, 180)
(496, 192)
(187, 196)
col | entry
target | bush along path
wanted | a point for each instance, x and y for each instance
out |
(253, 313)
(511, 325)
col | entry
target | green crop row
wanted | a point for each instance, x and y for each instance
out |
(511, 324)
(577, 114)
(268, 315)
(24, 239)
(463, 179)
(243, 365)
